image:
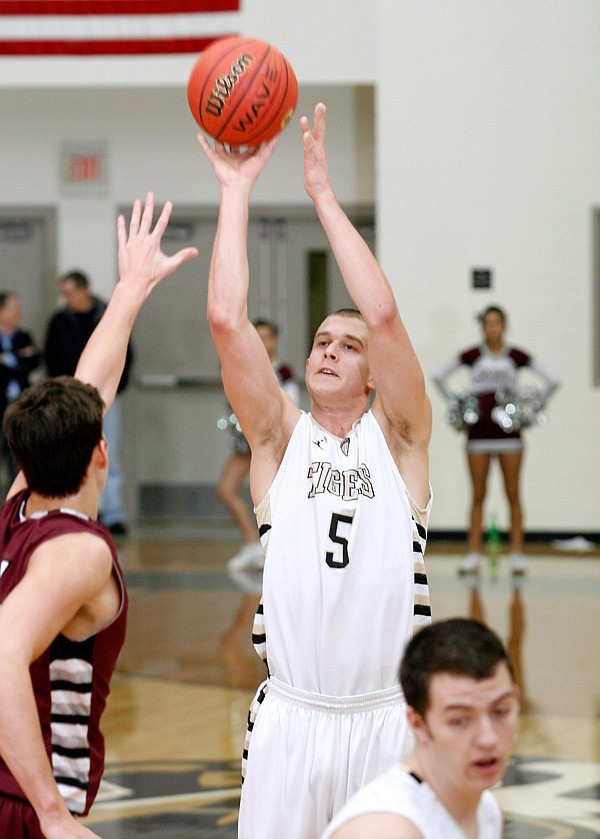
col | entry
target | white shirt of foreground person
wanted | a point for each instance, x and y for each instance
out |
(416, 808)
(463, 745)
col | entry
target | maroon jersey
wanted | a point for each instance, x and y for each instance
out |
(490, 373)
(71, 678)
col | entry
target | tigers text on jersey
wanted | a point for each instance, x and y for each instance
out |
(344, 581)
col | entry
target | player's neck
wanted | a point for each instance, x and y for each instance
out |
(461, 805)
(495, 347)
(338, 422)
(83, 501)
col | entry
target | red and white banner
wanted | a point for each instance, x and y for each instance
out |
(114, 27)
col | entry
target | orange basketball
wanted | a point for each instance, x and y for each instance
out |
(242, 91)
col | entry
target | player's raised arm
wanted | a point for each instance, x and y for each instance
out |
(142, 265)
(395, 369)
(248, 376)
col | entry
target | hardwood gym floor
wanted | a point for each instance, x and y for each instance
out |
(176, 716)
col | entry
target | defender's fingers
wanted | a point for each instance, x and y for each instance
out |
(134, 224)
(148, 212)
(163, 219)
(184, 255)
(121, 231)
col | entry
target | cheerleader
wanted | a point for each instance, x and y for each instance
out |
(494, 369)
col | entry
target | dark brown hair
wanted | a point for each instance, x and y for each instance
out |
(52, 430)
(461, 646)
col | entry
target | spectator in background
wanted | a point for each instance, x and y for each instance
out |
(18, 358)
(68, 332)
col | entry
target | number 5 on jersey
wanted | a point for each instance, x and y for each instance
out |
(339, 557)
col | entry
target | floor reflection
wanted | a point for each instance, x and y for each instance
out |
(516, 623)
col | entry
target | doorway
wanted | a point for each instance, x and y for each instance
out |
(28, 260)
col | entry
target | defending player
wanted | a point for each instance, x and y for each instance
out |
(342, 501)
(63, 602)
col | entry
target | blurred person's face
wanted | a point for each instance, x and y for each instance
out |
(493, 327)
(468, 730)
(10, 314)
(269, 339)
(77, 298)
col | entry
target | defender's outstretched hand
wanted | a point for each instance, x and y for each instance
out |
(142, 265)
(316, 172)
(141, 259)
(234, 167)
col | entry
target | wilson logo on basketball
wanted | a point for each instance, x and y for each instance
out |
(225, 85)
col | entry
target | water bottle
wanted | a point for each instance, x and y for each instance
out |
(493, 544)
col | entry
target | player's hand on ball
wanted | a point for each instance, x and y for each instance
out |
(235, 166)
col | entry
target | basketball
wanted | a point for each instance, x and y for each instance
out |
(242, 91)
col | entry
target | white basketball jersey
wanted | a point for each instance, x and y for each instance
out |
(344, 581)
(396, 791)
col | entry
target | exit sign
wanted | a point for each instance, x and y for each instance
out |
(83, 168)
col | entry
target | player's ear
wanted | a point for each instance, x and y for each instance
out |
(417, 724)
(101, 453)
